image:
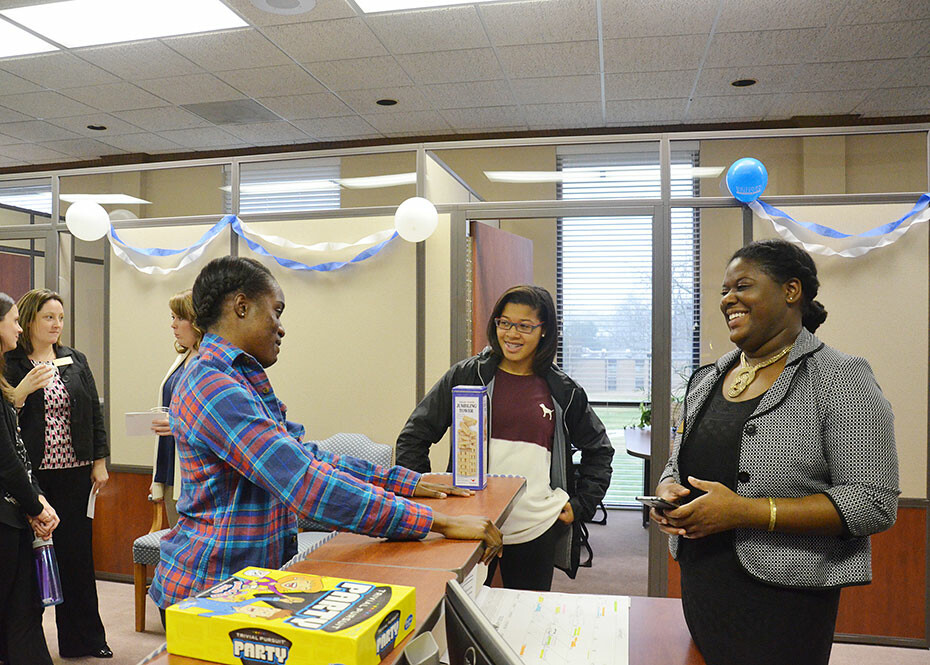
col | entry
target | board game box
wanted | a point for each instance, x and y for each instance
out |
(470, 412)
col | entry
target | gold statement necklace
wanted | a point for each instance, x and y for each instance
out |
(746, 373)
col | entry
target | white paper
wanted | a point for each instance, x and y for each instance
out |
(91, 503)
(561, 628)
(139, 423)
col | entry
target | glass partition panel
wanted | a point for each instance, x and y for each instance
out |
(25, 201)
(22, 262)
(179, 192)
(81, 284)
(848, 164)
(540, 173)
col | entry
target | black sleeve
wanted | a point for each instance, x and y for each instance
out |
(13, 476)
(588, 434)
(427, 424)
(101, 445)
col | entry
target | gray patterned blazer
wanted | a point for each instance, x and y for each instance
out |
(823, 427)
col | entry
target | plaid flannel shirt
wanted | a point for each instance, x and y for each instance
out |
(245, 474)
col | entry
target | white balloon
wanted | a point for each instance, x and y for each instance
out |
(416, 219)
(122, 215)
(87, 220)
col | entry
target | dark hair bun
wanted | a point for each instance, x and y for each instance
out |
(222, 276)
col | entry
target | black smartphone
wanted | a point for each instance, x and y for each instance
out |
(656, 502)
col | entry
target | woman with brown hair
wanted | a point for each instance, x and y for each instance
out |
(166, 485)
(62, 426)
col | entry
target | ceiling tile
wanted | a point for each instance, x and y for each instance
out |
(324, 10)
(872, 42)
(408, 99)
(8, 115)
(416, 123)
(32, 153)
(231, 49)
(547, 116)
(895, 100)
(776, 78)
(729, 107)
(753, 15)
(271, 81)
(161, 119)
(484, 118)
(57, 71)
(7, 139)
(344, 127)
(767, 47)
(78, 125)
(429, 30)
(553, 90)
(654, 55)
(36, 131)
(192, 89)
(318, 41)
(360, 73)
(907, 73)
(634, 18)
(300, 107)
(143, 143)
(8, 162)
(846, 75)
(652, 85)
(537, 60)
(869, 11)
(469, 95)
(201, 137)
(540, 22)
(268, 133)
(479, 64)
(115, 97)
(11, 84)
(46, 104)
(830, 102)
(654, 111)
(139, 60)
(83, 148)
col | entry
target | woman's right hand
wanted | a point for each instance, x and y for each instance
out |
(36, 379)
(160, 426)
(669, 490)
(45, 522)
(470, 527)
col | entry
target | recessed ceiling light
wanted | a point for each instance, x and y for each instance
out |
(16, 41)
(76, 23)
(386, 102)
(104, 199)
(376, 6)
(97, 128)
(286, 7)
(743, 83)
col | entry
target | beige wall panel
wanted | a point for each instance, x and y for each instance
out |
(141, 343)
(889, 332)
(88, 294)
(180, 192)
(359, 166)
(441, 187)
(438, 323)
(783, 159)
(721, 235)
(123, 182)
(886, 163)
(16, 218)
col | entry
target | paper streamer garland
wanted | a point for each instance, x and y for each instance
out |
(140, 259)
(810, 235)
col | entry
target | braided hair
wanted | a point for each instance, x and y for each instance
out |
(219, 278)
(782, 260)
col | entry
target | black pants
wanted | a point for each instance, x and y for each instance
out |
(528, 566)
(80, 630)
(22, 641)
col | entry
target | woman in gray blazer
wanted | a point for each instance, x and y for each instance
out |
(784, 465)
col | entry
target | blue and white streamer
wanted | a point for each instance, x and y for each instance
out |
(810, 235)
(143, 260)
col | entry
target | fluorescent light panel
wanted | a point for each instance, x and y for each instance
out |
(295, 186)
(378, 6)
(104, 199)
(16, 41)
(78, 23)
(595, 173)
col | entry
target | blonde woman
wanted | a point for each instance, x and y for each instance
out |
(165, 470)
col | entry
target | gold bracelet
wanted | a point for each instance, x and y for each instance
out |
(772, 511)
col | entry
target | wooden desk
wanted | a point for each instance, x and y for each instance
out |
(433, 552)
(659, 635)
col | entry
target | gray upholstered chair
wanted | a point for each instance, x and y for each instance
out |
(145, 553)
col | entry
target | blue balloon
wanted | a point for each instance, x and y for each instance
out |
(746, 179)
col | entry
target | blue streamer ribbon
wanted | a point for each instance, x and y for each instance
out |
(828, 232)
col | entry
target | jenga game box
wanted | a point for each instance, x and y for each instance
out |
(470, 415)
(279, 617)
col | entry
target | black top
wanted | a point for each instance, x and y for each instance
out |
(16, 481)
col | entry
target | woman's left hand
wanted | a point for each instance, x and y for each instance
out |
(99, 475)
(567, 516)
(438, 490)
(720, 509)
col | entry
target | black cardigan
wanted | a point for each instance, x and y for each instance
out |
(88, 435)
(15, 480)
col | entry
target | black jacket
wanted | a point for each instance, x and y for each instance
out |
(15, 479)
(88, 435)
(577, 428)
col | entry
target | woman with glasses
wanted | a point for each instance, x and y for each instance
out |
(539, 417)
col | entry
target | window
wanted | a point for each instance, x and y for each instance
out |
(290, 186)
(604, 275)
(28, 195)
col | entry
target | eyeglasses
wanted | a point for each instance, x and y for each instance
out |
(524, 328)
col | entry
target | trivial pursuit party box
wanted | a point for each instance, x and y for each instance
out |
(280, 617)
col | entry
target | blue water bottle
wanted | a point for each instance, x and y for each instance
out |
(47, 572)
